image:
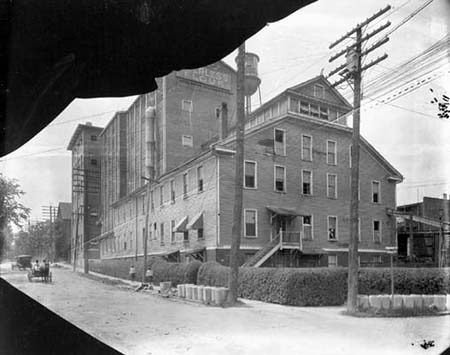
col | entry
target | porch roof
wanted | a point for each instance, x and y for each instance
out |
(284, 211)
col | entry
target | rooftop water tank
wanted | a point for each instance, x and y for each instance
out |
(252, 80)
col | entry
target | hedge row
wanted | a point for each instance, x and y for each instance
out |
(323, 286)
(177, 273)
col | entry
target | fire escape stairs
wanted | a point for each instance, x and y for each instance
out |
(264, 253)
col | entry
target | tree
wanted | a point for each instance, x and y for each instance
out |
(11, 211)
(37, 241)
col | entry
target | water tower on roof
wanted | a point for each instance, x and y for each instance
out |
(252, 81)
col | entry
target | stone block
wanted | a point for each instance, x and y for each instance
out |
(418, 301)
(398, 302)
(440, 302)
(408, 301)
(200, 293)
(207, 293)
(194, 293)
(385, 301)
(363, 302)
(375, 301)
(428, 301)
(189, 290)
(221, 294)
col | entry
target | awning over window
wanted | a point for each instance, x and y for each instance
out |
(181, 225)
(284, 211)
(196, 222)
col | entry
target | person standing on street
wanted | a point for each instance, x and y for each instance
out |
(132, 273)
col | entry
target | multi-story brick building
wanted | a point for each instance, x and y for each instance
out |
(296, 186)
(85, 147)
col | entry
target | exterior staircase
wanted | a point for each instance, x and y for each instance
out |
(264, 253)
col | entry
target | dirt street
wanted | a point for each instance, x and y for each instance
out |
(142, 323)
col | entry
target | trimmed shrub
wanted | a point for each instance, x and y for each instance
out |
(177, 273)
(424, 281)
(323, 286)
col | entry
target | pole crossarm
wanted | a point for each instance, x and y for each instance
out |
(363, 39)
(374, 62)
(375, 46)
(367, 21)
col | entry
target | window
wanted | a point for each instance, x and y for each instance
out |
(186, 236)
(314, 110)
(377, 231)
(304, 108)
(185, 184)
(306, 182)
(323, 111)
(279, 142)
(161, 196)
(250, 174)
(306, 147)
(186, 105)
(93, 161)
(172, 192)
(331, 152)
(319, 91)
(376, 259)
(94, 138)
(307, 227)
(162, 233)
(332, 228)
(332, 185)
(332, 261)
(187, 141)
(200, 233)
(124, 245)
(155, 228)
(218, 112)
(200, 178)
(375, 191)
(280, 178)
(172, 231)
(250, 223)
(152, 201)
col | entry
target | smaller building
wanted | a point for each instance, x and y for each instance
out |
(422, 233)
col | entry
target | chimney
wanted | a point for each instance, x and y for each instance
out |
(88, 123)
(223, 122)
(445, 196)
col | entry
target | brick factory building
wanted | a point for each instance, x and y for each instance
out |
(85, 147)
(296, 185)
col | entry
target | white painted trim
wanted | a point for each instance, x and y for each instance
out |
(256, 174)
(335, 151)
(256, 223)
(310, 148)
(345, 250)
(274, 178)
(311, 182)
(336, 186)
(328, 228)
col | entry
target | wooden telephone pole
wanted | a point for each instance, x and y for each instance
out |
(352, 71)
(239, 176)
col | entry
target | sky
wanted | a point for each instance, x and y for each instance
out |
(406, 131)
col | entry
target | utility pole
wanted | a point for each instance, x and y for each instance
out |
(352, 71)
(75, 246)
(238, 181)
(49, 213)
(86, 182)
